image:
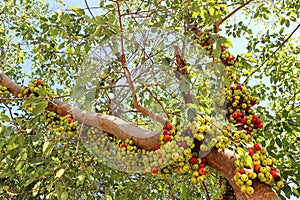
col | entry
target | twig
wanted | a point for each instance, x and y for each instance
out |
(281, 45)
(217, 24)
(206, 191)
(87, 5)
(294, 96)
(156, 99)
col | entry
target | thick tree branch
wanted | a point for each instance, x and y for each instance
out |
(223, 162)
(143, 138)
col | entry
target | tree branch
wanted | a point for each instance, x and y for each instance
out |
(145, 139)
(281, 45)
(217, 24)
(121, 57)
(223, 162)
(181, 71)
(87, 5)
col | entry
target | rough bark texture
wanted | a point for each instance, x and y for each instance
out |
(220, 160)
(223, 162)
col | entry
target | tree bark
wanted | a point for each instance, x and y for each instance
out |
(223, 162)
(220, 160)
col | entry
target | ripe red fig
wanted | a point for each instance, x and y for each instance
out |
(244, 121)
(154, 170)
(202, 171)
(39, 82)
(273, 173)
(242, 171)
(260, 125)
(167, 138)
(257, 168)
(193, 160)
(251, 151)
(70, 120)
(234, 115)
(257, 146)
(169, 126)
(166, 132)
(230, 58)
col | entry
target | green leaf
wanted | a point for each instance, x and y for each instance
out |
(287, 191)
(64, 195)
(240, 151)
(36, 188)
(4, 117)
(79, 11)
(166, 61)
(226, 81)
(193, 106)
(285, 113)
(190, 114)
(21, 140)
(295, 192)
(42, 92)
(248, 160)
(226, 42)
(32, 101)
(59, 173)
(97, 21)
(40, 107)
(286, 127)
(184, 86)
(278, 142)
(184, 193)
(45, 146)
(48, 148)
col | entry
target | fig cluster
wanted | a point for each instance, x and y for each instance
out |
(241, 116)
(226, 191)
(61, 125)
(262, 168)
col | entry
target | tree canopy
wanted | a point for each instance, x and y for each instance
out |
(145, 100)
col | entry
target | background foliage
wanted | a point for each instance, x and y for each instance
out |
(52, 45)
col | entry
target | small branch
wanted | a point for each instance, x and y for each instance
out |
(121, 28)
(206, 191)
(158, 101)
(121, 57)
(87, 5)
(182, 71)
(293, 97)
(217, 24)
(281, 45)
